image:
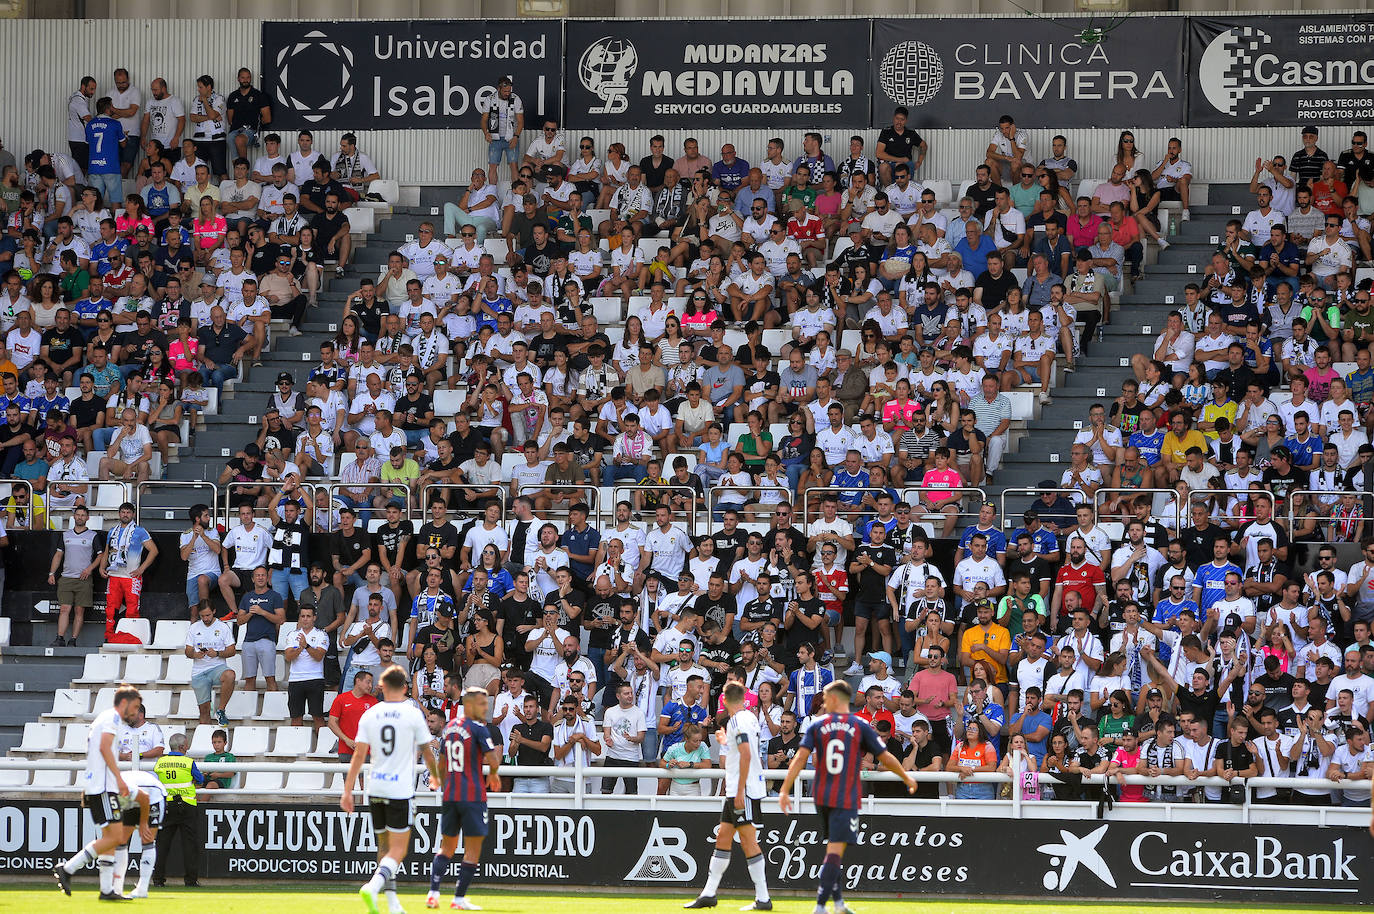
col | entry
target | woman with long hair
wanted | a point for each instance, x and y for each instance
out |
(973, 755)
(164, 415)
(307, 263)
(1127, 154)
(484, 652)
(1144, 204)
(349, 340)
(613, 174)
(428, 679)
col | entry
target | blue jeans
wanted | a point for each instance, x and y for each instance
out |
(363, 508)
(497, 147)
(966, 791)
(100, 438)
(284, 579)
(531, 785)
(597, 655)
(111, 188)
(220, 374)
(414, 436)
(794, 474)
(616, 471)
(127, 371)
(193, 587)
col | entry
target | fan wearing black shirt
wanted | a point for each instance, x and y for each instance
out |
(351, 550)
(783, 747)
(991, 286)
(1025, 560)
(1090, 758)
(547, 341)
(729, 540)
(437, 533)
(413, 412)
(983, 191)
(924, 756)
(519, 615)
(896, 145)
(392, 541)
(1235, 759)
(717, 605)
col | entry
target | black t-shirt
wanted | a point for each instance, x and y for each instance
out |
(388, 539)
(85, 413)
(1236, 757)
(62, 343)
(994, 288)
(589, 451)
(536, 732)
(136, 345)
(716, 610)
(350, 548)
(580, 361)
(240, 472)
(327, 226)
(871, 585)
(601, 610)
(926, 790)
(516, 612)
(983, 200)
(726, 545)
(788, 748)
(654, 175)
(577, 601)
(798, 539)
(1204, 707)
(1038, 569)
(959, 445)
(542, 348)
(899, 144)
(245, 108)
(445, 641)
(799, 634)
(540, 260)
(1278, 690)
(438, 537)
(1091, 760)
(725, 652)
(1197, 544)
(758, 610)
(410, 411)
(465, 446)
(1283, 483)
(370, 316)
(263, 258)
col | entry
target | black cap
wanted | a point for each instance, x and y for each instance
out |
(252, 450)
(1029, 515)
(286, 376)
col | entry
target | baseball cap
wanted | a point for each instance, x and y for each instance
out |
(1154, 693)
(884, 656)
(286, 376)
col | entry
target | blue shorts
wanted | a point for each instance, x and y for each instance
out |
(193, 588)
(242, 131)
(496, 148)
(1032, 372)
(839, 824)
(203, 684)
(469, 817)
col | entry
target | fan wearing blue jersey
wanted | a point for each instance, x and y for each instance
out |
(839, 739)
(744, 792)
(392, 732)
(465, 747)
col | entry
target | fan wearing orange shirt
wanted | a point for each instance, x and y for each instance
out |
(1177, 441)
(986, 641)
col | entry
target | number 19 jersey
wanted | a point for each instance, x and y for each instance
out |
(837, 743)
(465, 743)
(394, 732)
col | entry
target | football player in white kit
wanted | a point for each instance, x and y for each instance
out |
(393, 732)
(744, 793)
(103, 787)
(141, 811)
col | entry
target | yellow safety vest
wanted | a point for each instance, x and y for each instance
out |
(174, 771)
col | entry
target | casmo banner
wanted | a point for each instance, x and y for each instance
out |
(1277, 70)
(800, 73)
(668, 850)
(392, 74)
(1044, 72)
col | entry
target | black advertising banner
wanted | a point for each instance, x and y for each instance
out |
(1045, 72)
(648, 74)
(1281, 70)
(392, 74)
(666, 850)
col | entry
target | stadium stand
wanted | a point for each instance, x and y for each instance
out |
(973, 410)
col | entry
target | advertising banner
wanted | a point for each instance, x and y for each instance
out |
(668, 850)
(1281, 70)
(804, 73)
(1044, 72)
(392, 74)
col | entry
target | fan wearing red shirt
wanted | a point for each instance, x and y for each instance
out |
(808, 230)
(873, 710)
(347, 709)
(1080, 576)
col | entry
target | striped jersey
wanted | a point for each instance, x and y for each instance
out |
(837, 743)
(465, 743)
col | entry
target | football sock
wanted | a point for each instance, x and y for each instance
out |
(830, 877)
(466, 872)
(83, 857)
(385, 871)
(720, 862)
(145, 868)
(121, 866)
(438, 870)
(836, 881)
(106, 864)
(760, 877)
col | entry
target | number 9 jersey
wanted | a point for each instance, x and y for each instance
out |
(395, 732)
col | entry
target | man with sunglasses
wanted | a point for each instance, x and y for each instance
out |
(478, 209)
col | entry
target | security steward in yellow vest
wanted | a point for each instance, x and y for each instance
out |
(179, 776)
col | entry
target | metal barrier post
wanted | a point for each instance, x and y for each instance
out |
(1173, 493)
(92, 504)
(28, 487)
(593, 502)
(308, 488)
(502, 494)
(332, 487)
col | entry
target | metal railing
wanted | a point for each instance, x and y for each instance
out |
(155, 485)
(713, 495)
(1326, 523)
(1103, 495)
(919, 514)
(277, 485)
(498, 491)
(582, 774)
(593, 501)
(10, 504)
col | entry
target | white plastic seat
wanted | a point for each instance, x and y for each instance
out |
(70, 703)
(262, 781)
(170, 635)
(178, 672)
(607, 311)
(448, 403)
(273, 706)
(242, 705)
(390, 191)
(103, 699)
(52, 779)
(249, 741)
(101, 668)
(74, 740)
(40, 736)
(304, 781)
(1087, 188)
(326, 743)
(187, 708)
(284, 633)
(200, 740)
(292, 742)
(13, 777)
(143, 668)
(157, 703)
(141, 629)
